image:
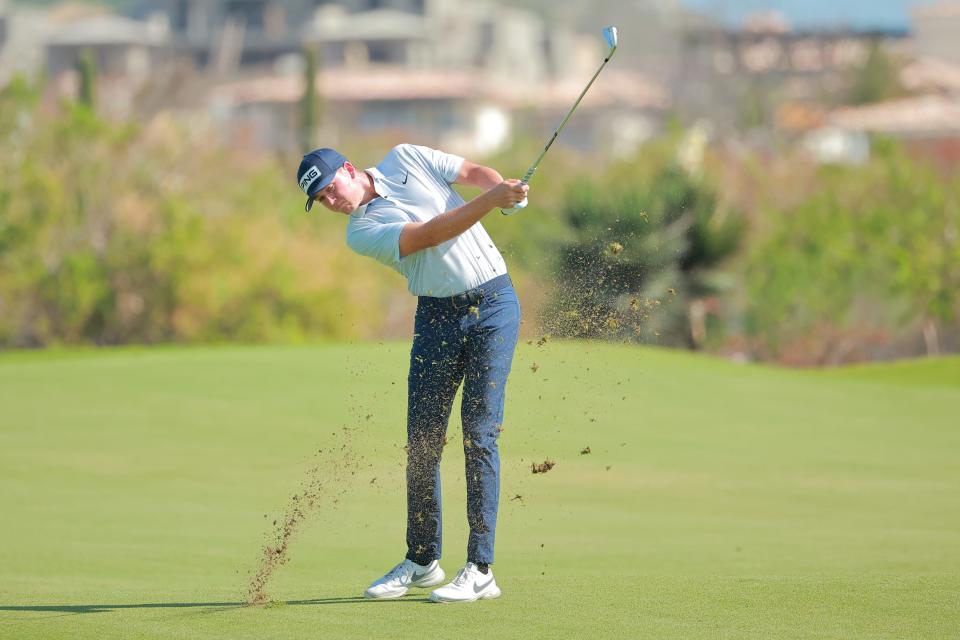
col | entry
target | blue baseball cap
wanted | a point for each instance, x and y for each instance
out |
(316, 171)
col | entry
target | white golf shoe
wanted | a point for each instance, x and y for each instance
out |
(469, 585)
(398, 580)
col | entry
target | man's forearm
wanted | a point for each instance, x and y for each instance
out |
(452, 223)
(416, 236)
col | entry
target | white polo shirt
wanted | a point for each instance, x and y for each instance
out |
(413, 183)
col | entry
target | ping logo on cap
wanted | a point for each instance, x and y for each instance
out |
(311, 176)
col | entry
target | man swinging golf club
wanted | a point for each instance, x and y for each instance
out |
(404, 213)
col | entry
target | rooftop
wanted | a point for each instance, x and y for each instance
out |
(941, 9)
(333, 25)
(389, 83)
(919, 115)
(107, 29)
(931, 74)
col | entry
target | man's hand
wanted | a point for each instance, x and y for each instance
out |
(508, 193)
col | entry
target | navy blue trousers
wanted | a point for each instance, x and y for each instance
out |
(468, 338)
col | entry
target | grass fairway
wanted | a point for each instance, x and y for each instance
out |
(718, 501)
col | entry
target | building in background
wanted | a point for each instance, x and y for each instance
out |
(446, 108)
(224, 34)
(22, 46)
(120, 46)
(423, 34)
(460, 110)
(935, 30)
(925, 118)
(739, 77)
(464, 75)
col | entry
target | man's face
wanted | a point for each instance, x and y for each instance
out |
(344, 193)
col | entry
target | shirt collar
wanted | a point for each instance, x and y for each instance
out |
(380, 186)
(380, 183)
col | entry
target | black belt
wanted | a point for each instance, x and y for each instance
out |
(472, 297)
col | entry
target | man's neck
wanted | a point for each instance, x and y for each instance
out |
(369, 188)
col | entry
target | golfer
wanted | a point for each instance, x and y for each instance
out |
(405, 214)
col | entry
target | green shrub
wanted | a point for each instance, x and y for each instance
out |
(648, 241)
(113, 233)
(873, 251)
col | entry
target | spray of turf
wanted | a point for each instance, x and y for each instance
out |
(604, 292)
(542, 467)
(616, 288)
(331, 473)
(324, 484)
(276, 551)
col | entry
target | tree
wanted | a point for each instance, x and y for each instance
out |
(87, 69)
(310, 103)
(877, 80)
(872, 251)
(110, 235)
(642, 256)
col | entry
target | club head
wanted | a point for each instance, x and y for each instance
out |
(610, 35)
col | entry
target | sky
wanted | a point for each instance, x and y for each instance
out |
(860, 14)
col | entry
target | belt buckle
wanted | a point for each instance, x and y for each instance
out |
(475, 296)
(460, 300)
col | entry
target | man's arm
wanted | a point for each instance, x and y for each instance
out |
(417, 236)
(477, 175)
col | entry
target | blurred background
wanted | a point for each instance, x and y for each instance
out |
(764, 180)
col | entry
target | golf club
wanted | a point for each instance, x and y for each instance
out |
(610, 36)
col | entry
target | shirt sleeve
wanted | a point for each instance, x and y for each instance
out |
(445, 165)
(377, 240)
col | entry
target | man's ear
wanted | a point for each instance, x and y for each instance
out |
(350, 169)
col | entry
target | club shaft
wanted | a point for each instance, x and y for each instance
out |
(536, 163)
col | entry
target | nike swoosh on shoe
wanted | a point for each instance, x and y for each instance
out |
(477, 589)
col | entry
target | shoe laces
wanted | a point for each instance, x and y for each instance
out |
(398, 571)
(464, 574)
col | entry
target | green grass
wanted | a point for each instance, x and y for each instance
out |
(718, 500)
